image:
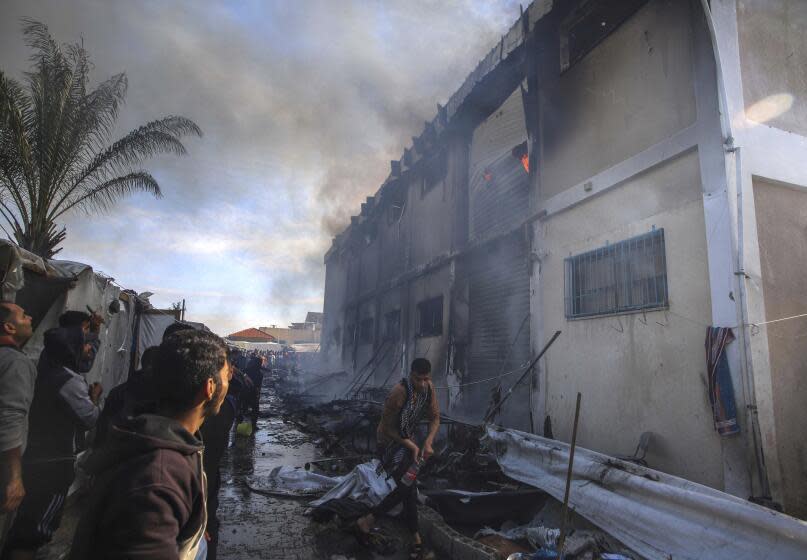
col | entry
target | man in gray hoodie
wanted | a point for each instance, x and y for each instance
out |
(17, 378)
(148, 500)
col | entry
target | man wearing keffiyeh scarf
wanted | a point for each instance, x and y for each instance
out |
(410, 401)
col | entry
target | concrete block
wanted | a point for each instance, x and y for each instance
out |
(449, 542)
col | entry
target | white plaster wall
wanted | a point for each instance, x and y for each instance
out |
(782, 228)
(773, 52)
(632, 91)
(637, 372)
(430, 222)
(333, 308)
(432, 348)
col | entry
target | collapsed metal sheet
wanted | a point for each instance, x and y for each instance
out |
(659, 516)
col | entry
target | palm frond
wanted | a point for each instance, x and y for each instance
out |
(56, 153)
(102, 197)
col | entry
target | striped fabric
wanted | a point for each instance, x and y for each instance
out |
(721, 389)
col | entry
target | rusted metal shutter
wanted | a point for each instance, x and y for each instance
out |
(499, 302)
(498, 181)
(499, 283)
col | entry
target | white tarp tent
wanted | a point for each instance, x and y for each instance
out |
(48, 288)
(658, 515)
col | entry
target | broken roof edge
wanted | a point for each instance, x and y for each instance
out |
(514, 38)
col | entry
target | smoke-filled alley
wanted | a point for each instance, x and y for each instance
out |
(409, 279)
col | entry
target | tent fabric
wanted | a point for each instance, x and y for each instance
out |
(150, 331)
(658, 515)
(291, 481)
(362, 484)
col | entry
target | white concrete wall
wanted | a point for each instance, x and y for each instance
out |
(632, 91)
(620, 133)
(637, 372)
(762, 50)
(335, 287)
(773, 56)
(781, 214)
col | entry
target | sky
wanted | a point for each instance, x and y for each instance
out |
(303, 103)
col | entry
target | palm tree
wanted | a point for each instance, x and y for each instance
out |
(56, 153)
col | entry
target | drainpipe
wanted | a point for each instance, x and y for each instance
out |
(738, 242)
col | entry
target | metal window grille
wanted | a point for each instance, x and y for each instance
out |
(625, 277)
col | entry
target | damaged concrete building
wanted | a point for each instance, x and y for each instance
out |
(629, 172)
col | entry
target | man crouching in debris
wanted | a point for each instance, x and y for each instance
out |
(407, 404)
(148, 500)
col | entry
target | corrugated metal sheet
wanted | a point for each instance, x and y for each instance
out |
(499, 184)
(499, 301)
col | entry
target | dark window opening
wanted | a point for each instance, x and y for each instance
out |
(430, 317)
(392, 325)
(349, 336)
(366, 331)
(625, 277)
(396, 205)
(585, 28)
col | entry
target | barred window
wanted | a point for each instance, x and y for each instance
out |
(625, 277)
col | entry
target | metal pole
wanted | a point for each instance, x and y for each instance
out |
(498, 407)
(562, 539)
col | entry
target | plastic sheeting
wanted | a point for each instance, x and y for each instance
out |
(111, 365)
(293, 481)
(657, 515)
(362, 484)
(150, 331)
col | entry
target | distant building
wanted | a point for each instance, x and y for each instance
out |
(251, 335)
(298, 333)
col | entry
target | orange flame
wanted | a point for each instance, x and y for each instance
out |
(525, 161)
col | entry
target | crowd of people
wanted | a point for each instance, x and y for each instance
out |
(158, 440)
(154, 483)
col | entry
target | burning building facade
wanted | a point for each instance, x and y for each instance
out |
(630, 173)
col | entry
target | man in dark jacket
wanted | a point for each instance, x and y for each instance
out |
(90, 325)
(148, 501)
(254, 370)
(63, 406)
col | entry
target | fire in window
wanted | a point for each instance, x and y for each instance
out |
(522, 154)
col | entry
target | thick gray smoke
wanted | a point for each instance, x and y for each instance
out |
(303, 104)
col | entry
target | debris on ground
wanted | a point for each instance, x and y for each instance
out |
(463, 482)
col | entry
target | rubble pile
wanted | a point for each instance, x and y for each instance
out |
(463, 481)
